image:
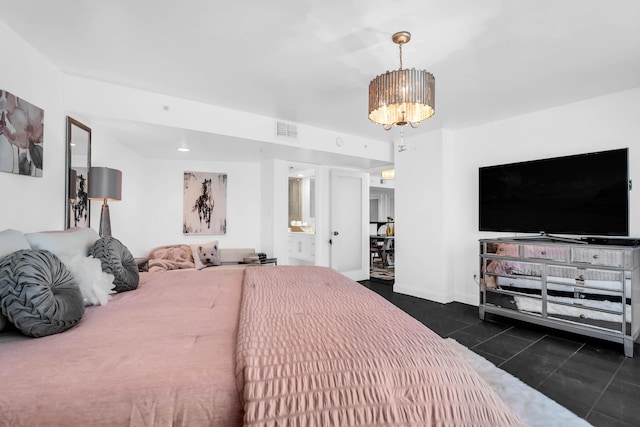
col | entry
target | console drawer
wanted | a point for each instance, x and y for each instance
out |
(514, 268)
(519, 284)
(608, 257)
(606, 280)
(556, 253)
(600, 314)
(508, 302)
(503, 249)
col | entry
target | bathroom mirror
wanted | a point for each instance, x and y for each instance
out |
(76, 178)
(302, 199)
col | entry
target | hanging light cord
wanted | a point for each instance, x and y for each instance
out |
(402, 147)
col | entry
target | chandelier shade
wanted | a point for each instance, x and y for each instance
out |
(401, 97)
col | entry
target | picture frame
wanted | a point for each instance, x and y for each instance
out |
(78, 163)
(205, 203)
(21, 136)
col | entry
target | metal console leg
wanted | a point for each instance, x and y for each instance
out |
(628, 347)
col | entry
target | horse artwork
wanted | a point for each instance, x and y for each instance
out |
(205, 203)
(80, 205)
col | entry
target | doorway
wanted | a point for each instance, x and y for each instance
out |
(382, 232)
(301, 224)
(349, 213)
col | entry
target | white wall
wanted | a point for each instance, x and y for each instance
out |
(422, 217)
(129, 216)
(274, 208)
(29, 203)
(150, 213)
(597, 124)
(377, 182)
(437, 185)
(323, 215)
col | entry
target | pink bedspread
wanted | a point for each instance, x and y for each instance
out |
(162, 355)
(316, 349)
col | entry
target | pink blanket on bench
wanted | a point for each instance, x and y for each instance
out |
(316, 348)
(171, 257)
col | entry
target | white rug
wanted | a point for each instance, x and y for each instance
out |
(534, 408)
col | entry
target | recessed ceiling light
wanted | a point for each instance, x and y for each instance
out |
(183, 149)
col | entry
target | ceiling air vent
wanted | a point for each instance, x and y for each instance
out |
(287, 130)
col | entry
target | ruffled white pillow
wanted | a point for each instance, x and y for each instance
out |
(96, 286)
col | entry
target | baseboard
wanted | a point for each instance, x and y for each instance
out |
(466, 298)
(422, 293)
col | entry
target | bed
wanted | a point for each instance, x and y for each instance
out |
(161, 355)
(281, 345)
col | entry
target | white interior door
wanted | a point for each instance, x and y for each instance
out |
(350, 223)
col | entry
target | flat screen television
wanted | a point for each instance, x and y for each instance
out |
(584, 194)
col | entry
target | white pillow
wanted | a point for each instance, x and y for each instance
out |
(64, 243)
(205, 255)
(11, 241)
(95, 285)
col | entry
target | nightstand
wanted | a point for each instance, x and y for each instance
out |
(257, 261)
(143, 264)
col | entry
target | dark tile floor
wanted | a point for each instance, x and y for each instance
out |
(590, 377)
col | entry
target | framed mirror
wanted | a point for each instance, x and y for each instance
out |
(76, 181)
(302, 198)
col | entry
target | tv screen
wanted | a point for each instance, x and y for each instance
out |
(585, 194)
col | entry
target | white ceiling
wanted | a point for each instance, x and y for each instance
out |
(310, 61)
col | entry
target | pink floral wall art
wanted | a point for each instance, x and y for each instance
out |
(205, 203)
(21, 131)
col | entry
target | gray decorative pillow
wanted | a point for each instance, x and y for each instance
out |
(38, 294)
(117, 260)
(3, 321)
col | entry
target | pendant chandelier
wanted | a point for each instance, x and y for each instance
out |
(401, 97)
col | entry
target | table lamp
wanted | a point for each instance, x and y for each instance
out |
(105, 184)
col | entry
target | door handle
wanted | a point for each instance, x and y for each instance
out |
(335, 233)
